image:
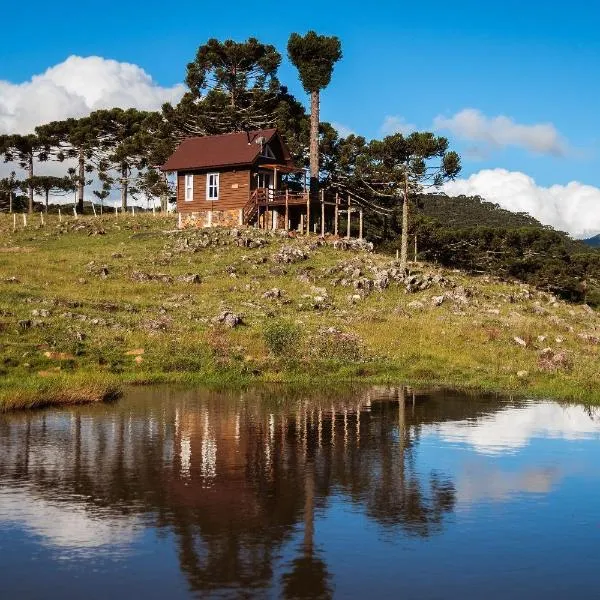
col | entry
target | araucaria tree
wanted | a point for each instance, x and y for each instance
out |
(75, 139)
(25, 149)
(395, 169)
(232, 85)
(8, 188)
(45, 185)
(124, 144)
(314, 56)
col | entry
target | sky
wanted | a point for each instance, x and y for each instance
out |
(513, 85)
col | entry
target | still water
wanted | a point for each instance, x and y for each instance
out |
(378, 493)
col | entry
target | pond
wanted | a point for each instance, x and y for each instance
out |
(270, 493)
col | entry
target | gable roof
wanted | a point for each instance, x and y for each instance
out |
(226, 150)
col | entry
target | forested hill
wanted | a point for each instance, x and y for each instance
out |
(471, 234)
(593, 241)
(472, 211)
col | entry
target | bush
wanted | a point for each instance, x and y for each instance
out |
(282, 338)
(332, 344)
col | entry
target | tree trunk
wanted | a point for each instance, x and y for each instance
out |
(164, 197)
(47, 194)
(314, 146)
(10, 201)
(404, 240)
(80, 182)
(30, 184)
(124, 173)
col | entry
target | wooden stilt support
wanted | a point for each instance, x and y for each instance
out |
(308, 214)
(337, 214)
(301, 223)
(322, 213)
(287, 210)
(360, 224)
(348, 224)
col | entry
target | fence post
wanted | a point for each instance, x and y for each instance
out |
(349, 212)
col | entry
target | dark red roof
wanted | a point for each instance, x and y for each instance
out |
(227, 150)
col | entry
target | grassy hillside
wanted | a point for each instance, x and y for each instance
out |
(89, 304)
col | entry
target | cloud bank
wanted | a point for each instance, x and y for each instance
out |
(510, 430)
(395, 124)
(76, 87)
(501, 132)
(574, 208)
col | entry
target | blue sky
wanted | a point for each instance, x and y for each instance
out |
(533, 62)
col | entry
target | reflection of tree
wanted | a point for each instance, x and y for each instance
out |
(308, 577)
(271, 465)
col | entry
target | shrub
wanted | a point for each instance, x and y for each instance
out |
(282, 338)
(331, 344)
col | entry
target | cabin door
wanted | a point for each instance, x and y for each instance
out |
(265, 181)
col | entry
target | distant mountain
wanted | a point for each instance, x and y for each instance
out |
(593, 241)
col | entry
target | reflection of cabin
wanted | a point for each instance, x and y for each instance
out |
(243, 178)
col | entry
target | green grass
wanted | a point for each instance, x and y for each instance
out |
(92, 324)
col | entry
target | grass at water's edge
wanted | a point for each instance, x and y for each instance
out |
(89, 387)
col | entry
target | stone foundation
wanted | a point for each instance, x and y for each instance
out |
(212, 218)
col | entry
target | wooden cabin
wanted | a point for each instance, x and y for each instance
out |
(242, 178)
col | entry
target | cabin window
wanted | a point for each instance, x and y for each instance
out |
(212, 186)
(267, 152)
(189, 188)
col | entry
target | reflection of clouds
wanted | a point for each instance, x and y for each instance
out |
(480, 482)
(64, 524)
(514, 428)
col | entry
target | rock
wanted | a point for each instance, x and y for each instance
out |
(522, 374)
(437, 300)
(588, 337)
(190, 278)
(520, 341)
(229, 319)
(25, 324)
(289, 254)
(416, 305)
(554, 361)
(272, 294)
(493, 311)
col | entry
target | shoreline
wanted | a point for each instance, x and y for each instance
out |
(35, 393)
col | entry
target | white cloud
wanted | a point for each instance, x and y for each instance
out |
(343, 130)
(514, 428)
(500, 132)
(395, 124)
(76, 87)
(65, 524)
(574, 207)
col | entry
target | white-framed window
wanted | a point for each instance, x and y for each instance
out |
(189, 187)
(267, 152)
(212, 186)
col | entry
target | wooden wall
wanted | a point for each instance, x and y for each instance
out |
(234, 191)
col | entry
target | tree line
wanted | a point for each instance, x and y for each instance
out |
(231, 86)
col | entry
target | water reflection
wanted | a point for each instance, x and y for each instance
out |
(240, 479)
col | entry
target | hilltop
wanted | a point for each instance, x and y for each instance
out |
(89, 304)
